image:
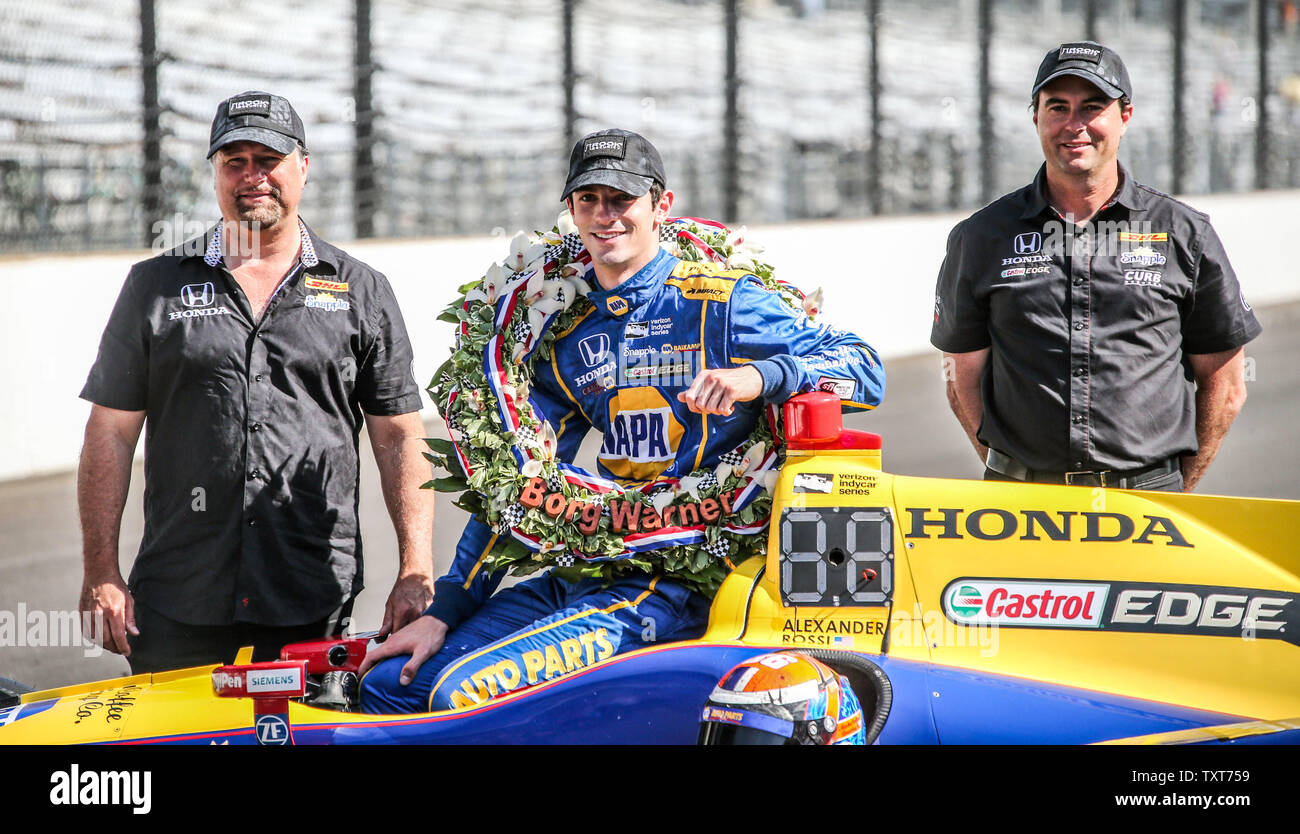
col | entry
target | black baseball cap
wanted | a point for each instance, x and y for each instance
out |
(256, 116)
(618, 158)
(1090, 61)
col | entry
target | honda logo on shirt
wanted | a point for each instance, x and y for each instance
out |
(1028, 243)
(198, 295)
(594, 349)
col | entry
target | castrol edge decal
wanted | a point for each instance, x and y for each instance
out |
(1150, 607)
(1019, 602)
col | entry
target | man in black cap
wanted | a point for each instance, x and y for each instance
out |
(1092, 327)
(673, 363)
(255, 353)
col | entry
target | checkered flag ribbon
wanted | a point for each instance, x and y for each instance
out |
(564, 560)
(452, 423)
(667, 233)
(733, 458)
(521, 331)
(554, 482)
(572, 245)
(511, 517)
(553, 252)
(708, 481)
(525, 436)
(718, 549)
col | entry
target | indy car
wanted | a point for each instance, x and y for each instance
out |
(957, 611)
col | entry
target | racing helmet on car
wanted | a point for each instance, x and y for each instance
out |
(782, 698)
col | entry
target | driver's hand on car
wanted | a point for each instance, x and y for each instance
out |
(421, 640)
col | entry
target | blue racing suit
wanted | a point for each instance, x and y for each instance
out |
(619, 369)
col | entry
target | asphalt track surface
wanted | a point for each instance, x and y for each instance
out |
(40, 544)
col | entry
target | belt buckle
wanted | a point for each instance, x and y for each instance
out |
(1101, 476)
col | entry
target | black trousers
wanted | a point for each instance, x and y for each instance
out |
(164, 643)
(1164, 482)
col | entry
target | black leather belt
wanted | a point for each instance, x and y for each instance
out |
(1004, 464)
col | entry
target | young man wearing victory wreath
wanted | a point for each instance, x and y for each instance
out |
(674, 362)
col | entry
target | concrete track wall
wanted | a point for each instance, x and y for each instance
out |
(878, 277)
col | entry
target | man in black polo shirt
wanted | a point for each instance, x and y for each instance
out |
(1076, 313)
(254, 354)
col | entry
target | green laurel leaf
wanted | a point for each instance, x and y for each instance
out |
(496, 482)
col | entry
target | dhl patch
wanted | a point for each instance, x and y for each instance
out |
(313, 283)
(1134, 237)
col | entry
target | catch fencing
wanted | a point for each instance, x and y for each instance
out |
(456, 116)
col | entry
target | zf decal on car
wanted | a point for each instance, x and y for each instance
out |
(272, 729)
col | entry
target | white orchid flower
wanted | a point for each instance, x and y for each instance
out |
(770, 478)
(521, 389)
(519, 245)
(722, 471)
(496, 278)
(735, 238)
(517, 355)
(553, 304)
(475, 399)
(545, 292)
(662, 499)
(564, 223)
(740, 260)
(550, 547)
(535, 266)
(475, 294)
(547, 441)
(531, 468)
(535, 288)
(524, 251)
(572, 289)
(536, 321)
(753, 458)
(691, 486)
(574, 274)
(812, 303)
(551, 239)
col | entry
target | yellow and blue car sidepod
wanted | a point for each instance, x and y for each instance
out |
(993, 613)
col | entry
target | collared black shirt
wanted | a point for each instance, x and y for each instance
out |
(252, 428)
(1089, 326)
